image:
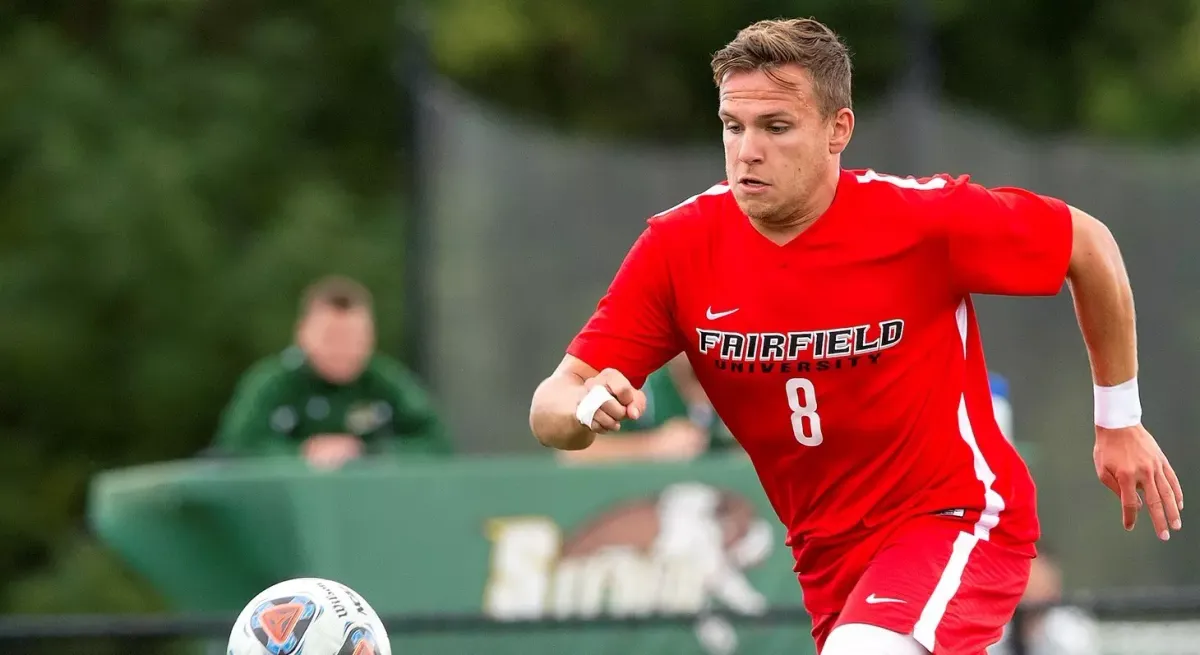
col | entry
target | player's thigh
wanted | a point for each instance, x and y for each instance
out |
(973, 617)
(865, 639)
(949, 589)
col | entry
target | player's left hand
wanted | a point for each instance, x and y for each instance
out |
(1128, 460)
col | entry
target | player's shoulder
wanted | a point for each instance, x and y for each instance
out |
(271, 373)
(908, 189)
(276, 365)
(697, 211)
(388, 370)
(914, 203)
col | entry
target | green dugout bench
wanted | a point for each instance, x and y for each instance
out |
(513, 538)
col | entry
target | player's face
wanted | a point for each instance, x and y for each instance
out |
(338, 342)
(779, 148)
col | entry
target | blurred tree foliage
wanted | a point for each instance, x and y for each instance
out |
(174, 171)
(640, 67)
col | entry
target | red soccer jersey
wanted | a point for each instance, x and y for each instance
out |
(847, 362)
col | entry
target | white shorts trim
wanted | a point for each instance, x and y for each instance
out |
(935, 608)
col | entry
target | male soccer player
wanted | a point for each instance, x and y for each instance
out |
(827, 313)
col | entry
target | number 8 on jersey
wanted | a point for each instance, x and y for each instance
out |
(802, 398)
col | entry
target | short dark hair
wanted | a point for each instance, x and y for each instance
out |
(336, 291)
(769, 44)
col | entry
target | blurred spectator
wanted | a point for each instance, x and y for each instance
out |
(1000, 404)
(1055, 630)
(330, 397)
(679, 424)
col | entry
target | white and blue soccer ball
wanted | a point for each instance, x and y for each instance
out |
(308, 616)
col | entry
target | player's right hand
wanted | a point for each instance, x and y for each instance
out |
(629, 402)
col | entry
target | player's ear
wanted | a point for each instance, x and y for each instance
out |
(841, 127)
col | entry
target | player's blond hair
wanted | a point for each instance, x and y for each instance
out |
(769, 44)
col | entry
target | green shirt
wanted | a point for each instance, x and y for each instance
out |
(281, 401)
(664, 402)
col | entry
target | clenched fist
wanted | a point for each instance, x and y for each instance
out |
(626, 401)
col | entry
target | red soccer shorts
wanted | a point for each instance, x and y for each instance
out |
(933, 579)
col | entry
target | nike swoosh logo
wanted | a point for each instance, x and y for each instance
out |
(875, 600)
(714, 316)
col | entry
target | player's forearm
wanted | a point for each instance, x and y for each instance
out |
(1103, 302)
(552, 413)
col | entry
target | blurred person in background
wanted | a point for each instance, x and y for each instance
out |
(1001, 406)
(679, 424)
(1054, 630)
(330, 397)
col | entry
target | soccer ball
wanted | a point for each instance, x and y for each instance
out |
(308, 616)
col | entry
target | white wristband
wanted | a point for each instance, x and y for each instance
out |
(1119, 406)
(596, 397)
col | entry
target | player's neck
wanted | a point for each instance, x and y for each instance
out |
(818, 202)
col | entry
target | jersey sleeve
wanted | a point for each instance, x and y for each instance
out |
(632, 329)
(1004, 241)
